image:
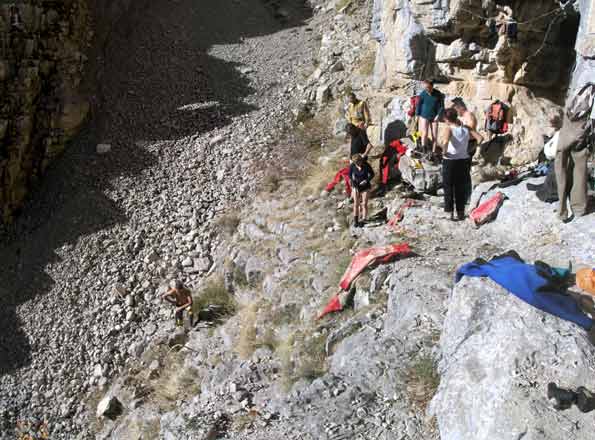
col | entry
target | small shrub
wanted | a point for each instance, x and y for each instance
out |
(271, 181)
(228, 223)
(422, 381)
(312, 357)
(340, 264)
(246, 343)
(239, 277)
(302, 356)
(215, 293)
(341, 4)
(318, 176)
(175, 381)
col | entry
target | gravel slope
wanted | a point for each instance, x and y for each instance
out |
(191, 95)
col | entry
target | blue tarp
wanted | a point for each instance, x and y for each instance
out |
(529, 283)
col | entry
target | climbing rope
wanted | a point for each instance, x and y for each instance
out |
(547, 35)
(522, 23)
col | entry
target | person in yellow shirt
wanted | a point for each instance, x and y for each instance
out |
(358, 112)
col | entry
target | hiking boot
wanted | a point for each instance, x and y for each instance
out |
(564, 398)
(586, 304)
(585, 400)
(460, 216)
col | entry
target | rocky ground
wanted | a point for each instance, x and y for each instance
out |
(207, 180)
(191, 108)
(411, 350)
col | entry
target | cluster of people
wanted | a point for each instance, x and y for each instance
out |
(458, 145)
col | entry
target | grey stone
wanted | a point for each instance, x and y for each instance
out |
(103, 148)
(109, 407)
(98, 371)
(202, 264)
(323, 94)
(216, 140)
(506, 352)
(255, 270)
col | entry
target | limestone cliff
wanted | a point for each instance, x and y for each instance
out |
(465, 47)
(41, 70)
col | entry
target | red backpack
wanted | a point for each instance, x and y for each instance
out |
(496, 118)
(413, 103)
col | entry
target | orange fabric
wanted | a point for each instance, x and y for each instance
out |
(365, 257)
(334, 305)
(585, 279)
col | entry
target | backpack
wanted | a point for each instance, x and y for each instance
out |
(488, 210)
(496, 118)
(581, 104)
(413, 103)
(422, 175)
(512, 30)
(551, 147)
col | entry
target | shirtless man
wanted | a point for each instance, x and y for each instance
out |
(469, 120)
(180, 297)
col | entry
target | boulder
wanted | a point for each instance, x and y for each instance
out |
(103, 148)
(498, 356)
(109, 407)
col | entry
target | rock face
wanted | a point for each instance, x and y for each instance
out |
(109, 407)
(451, 42)
(498, 356)
(498, 353)
(41, 71)
(585, 45)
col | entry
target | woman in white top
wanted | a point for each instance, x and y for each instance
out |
(455, 169)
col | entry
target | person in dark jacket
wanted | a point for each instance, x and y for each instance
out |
(361, 175)
(360, 144)
(429, 109)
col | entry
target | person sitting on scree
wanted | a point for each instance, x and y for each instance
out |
(180, 297)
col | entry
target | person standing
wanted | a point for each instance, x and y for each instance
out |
(469, 120)
(571, 168)
(428, 111)
(358, 112)
(455, 171)
(360, 144)
(361, 175)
